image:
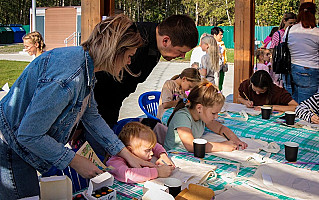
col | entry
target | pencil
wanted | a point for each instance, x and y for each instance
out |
(313, 112)
(246, 96)
(226, 136)
(164, 163)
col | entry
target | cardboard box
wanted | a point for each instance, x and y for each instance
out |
(56, 187)
(97, 183)
(197, 192)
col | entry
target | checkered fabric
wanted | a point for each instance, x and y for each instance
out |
(267, 130)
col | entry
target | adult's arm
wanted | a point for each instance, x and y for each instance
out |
(48, 102)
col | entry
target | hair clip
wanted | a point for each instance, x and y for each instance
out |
(209, 84)
(305, 9)
(185, 100)
(219, 92)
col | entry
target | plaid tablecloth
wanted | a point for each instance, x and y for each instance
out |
(271, 130)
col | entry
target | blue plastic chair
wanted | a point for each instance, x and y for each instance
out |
(148, 102)
(119, 125)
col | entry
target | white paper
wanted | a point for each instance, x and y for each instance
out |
(237, 108)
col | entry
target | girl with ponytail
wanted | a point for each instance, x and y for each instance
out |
(174, 89)
(191, 115)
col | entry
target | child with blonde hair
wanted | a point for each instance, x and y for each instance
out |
(263, 56)
(191, 115)
(33, 43)
(174, 89)
(141, 141)
(210, 61)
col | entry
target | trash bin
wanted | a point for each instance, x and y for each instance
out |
(18, 32)
(7, 36)
(2, 35)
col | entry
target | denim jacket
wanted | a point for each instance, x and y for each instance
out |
(39, 112)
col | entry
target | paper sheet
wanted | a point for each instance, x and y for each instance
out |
(237, 155)
(243, 192)
(288, 180)
(188, 172)
(235, 107)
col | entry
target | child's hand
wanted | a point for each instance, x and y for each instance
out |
(227, 146)
(241, 144)
(164, 171)
(165, 158)
(249, 104)
(258, 108)
(315, 119)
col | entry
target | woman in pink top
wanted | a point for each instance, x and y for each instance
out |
(287, 20)
(141, 141)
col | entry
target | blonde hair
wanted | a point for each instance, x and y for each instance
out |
(213, 52)
(260, 52)
(205, 93)
(133, 130)
(35, 37)
(109, 40)
(201, 37)
(191, 74)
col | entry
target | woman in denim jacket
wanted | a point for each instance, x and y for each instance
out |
(52, 94)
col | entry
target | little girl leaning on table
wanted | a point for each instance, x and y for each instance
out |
(141, 141)
(202, 107)
(174, 89)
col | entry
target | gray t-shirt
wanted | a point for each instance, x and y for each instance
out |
(182, 118)
(210, 74)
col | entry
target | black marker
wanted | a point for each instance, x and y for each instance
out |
(226, 136)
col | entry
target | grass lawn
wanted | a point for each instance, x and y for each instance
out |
(229, 52)
(10, 71)
(11, 48)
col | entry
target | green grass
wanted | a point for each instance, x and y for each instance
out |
(10, 71)
(230, 56)
(11, 48)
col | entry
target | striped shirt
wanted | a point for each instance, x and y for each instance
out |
(303, 111)
(275, 38)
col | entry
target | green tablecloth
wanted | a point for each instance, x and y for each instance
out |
(270, 130)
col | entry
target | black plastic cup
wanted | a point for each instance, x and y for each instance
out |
(174, 186)
(199, 147)
(266, 112)
(291, 151)
(290, 117)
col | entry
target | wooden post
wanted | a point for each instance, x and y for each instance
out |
(91, 14)
(244, 42)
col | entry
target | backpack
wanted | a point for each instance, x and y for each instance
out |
(282, 60)
(281, 57)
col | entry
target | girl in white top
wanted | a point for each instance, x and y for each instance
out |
(303, 43)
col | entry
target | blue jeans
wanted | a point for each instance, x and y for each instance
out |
(306, 82)
(18, 178)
